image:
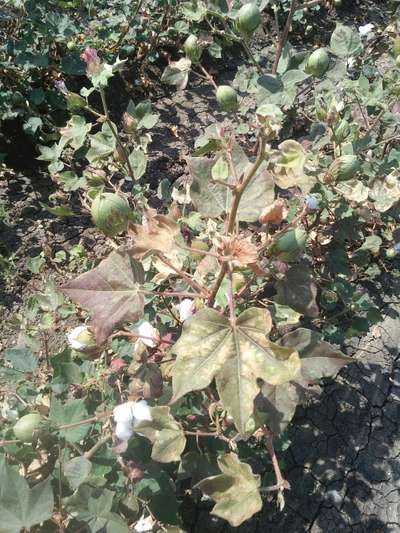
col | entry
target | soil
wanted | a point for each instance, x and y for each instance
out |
(343, 464)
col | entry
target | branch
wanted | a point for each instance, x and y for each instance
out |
(284, 36)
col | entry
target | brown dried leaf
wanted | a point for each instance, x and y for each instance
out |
(156, 234)
(111, 292)
(274, 213)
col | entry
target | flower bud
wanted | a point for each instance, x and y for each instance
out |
(311, 202)
(128, 123)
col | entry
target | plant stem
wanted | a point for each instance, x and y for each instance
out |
(173, 294)
(116, 136)
(280, 480)
(196, 286)
(90, 420)
(251, 56)
(208, 76)
(237, 195)
(284, 36)
(96, 447)
(231, 300)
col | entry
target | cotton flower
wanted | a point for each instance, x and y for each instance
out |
(186, 309)
(397, 247)
(92, 60)
(81, 339)
(61, 87)
(367, 28)
(311, 202)
(148, 335)
(144, 525)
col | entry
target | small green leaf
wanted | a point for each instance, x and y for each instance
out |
(235, 491)
(68, 413)
(77, 470)
(21, 359)
(74, 133)
(345, 42)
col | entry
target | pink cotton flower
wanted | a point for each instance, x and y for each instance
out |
(92, 60)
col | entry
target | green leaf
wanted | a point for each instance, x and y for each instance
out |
(165, 433)
(319, 359)
(212, 199)
(143, 115)
(235, 355)
(68, 413)
(298, 291)
(77, 470)
(74, 133)
(20, 506)
(284, 315)
(102, 144)
(345, 42)
(111, 291)
(138, 161)
(158, 489)
(21, 359)
(235, 491)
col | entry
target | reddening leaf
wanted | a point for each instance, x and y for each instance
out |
(319, 359)
(298, 291)
(111, 292)
(235, 491)
(235, 355)
(212, 199)
(165, 433)
(22, 507)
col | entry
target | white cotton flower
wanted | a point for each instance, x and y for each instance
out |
(367, 28)
(186, 309)
(124, 430)
(147, 334)
(144, 525)
(81, 338)
(141, 411)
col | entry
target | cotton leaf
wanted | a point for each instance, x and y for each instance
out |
(319, 359)
(111, 292)
(157, 234)
(235, 491)
(235, 355)
(212, 198)
(165, 433)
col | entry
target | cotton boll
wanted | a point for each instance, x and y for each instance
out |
(367, 28)
(148, 335)
(123, 430)
(81, 339)
(124, 413)
(144, 525)
(186, 309)
(141, 411)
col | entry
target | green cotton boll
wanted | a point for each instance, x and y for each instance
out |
(248, 19)
(318, 63)
(227, 98)
(27, 426)
(110, 213)
(192, 49)
(344, 167)
(342, 131)
(291, 244)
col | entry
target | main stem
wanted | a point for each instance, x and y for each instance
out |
(284, 36)
(237, 196)
(115, 134)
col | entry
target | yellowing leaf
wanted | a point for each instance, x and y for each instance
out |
(235, 491)
(111, 292)
(235, 355)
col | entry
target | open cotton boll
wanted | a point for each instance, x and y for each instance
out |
(148, 335)
(186, 309)
(124, 430)
(141, 411)
(367, 28)
(144, 525)
(123, 413)
(81, 338)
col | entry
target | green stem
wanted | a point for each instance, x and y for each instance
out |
(284, 36)
(115, 134)
(251, 56)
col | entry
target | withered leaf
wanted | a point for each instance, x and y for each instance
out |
(111, 292)
(158, 234)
